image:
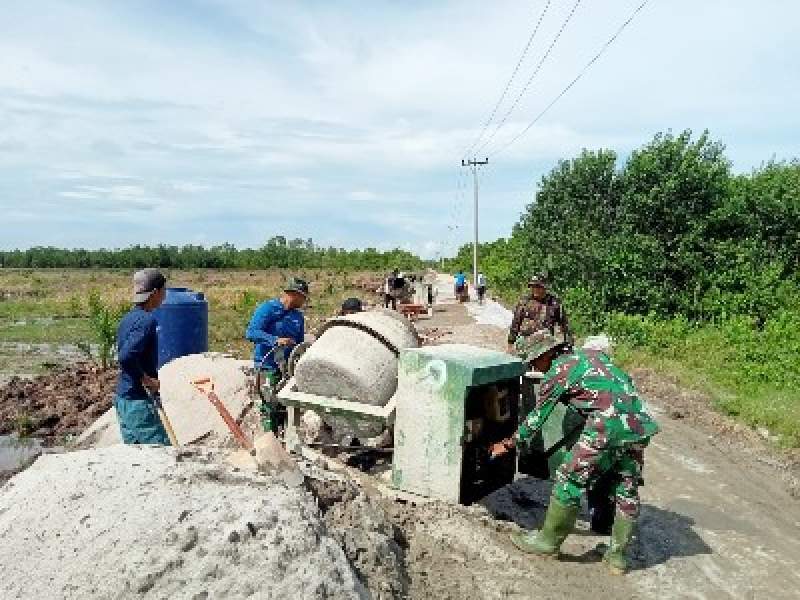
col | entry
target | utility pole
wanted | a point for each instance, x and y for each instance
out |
(475, 164)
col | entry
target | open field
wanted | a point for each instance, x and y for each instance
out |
(44, 312)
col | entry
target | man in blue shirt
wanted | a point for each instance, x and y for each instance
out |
(137, 352)
(276, 326)
(460, 281)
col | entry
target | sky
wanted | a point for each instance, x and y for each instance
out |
(207, 121)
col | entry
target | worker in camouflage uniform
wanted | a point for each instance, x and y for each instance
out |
(615, 433)
(539, 310)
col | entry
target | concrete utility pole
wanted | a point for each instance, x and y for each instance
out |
(475, 164)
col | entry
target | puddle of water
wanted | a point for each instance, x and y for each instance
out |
(16, 453)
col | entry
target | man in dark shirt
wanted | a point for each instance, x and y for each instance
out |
(137, 351)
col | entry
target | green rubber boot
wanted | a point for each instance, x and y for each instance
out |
(558, 524)
(267, 417)
(621, 534)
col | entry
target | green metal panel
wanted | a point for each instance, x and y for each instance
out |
(433, 383)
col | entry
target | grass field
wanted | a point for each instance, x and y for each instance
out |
(749, 372)
(44, 312)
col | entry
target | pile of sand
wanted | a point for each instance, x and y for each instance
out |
(132, 521)
(191, 414)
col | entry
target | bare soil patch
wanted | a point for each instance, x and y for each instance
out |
(56, 405)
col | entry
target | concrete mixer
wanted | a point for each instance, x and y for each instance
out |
(444, 404)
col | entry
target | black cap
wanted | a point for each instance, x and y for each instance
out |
(352, 305)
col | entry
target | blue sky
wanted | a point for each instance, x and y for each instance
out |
(206, 122)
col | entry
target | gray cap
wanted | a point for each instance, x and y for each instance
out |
(295, 284)
(145, 282)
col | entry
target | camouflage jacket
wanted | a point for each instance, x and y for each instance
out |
(531, 315)
(603, 393)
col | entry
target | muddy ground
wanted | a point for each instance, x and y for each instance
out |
(57, 405)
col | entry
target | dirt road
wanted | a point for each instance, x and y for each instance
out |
(718, 520)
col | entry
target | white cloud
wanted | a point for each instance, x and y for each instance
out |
(189, 187)
(362, 195)
(78, 195)
(313, 117)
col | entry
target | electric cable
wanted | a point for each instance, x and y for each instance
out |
(510, 80)
(532, 77)
(582, 72)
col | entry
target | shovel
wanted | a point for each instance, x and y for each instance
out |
(205, 386)
(266, 450)
(156, 398)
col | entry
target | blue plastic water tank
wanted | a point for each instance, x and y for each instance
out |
(182, 324)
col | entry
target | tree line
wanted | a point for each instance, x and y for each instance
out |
(278, 252)
(669, 232)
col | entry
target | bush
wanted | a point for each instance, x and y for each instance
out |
(104, 320)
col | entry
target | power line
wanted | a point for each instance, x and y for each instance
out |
(574, 81)
(531, 78)
(511, 79)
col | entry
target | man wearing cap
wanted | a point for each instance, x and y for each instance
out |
(539, 310)
(276, 326)
(388, 290)
(137, 352)
(616, 431)
(351, 306)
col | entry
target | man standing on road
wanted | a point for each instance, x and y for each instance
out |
(276, 326)
(137, 351)
(616, 431)
(480, 285)
(459, 283)
(539, 310)
(388, 290)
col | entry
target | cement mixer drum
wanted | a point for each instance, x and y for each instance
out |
(355, 357)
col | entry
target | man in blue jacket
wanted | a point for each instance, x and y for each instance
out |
(137, 352)
(276, 326)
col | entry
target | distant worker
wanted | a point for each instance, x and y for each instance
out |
(276, 326)
(388, 288)
(459, 284)
(137, 350)
(616, 431)
(480, 286)
(539, 310)
(351, 306)
(399, 285)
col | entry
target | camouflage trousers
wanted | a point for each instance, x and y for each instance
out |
(267, 407)
(522, 347)
(591, 457)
